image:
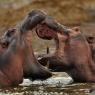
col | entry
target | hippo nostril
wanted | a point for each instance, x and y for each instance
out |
(4, 44)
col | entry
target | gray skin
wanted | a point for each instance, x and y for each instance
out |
(72, 55)
(11, 62)
(12, 59)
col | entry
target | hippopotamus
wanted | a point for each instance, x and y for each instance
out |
(16, 49)
(72, 55)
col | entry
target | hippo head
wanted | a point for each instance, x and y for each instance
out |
(50, 29)
(31, 68)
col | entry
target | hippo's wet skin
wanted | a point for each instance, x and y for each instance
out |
(11, 62)
(32, 68)
(72, 55)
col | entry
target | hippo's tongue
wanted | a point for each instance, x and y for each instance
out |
(35, 17)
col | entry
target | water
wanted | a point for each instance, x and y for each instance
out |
(60, 84)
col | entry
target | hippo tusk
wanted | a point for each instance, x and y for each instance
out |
(48, 51)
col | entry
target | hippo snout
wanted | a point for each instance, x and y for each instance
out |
(4, 43)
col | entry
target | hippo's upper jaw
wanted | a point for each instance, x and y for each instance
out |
(34, 17)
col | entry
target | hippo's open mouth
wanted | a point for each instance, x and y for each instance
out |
(44, 32)
(49, 27)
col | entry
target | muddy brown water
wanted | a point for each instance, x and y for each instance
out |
(60, 84)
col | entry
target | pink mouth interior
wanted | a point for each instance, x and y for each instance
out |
(45, 33)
